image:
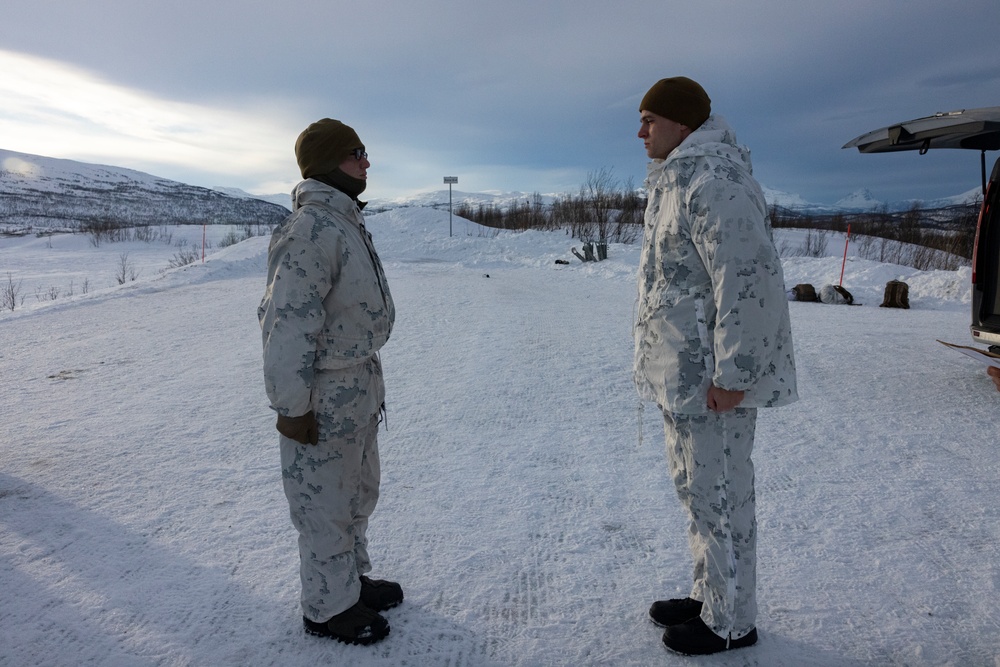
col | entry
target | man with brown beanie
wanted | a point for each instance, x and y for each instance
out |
(324, 317)
(713, 344)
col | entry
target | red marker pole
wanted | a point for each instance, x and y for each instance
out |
(842, 264)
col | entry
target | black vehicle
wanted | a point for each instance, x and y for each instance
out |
(986, 267)
(973, 129)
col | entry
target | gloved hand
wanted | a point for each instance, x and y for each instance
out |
(302, 429)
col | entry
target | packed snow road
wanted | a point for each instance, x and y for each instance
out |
(527, 515)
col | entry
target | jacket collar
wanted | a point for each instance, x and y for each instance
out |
(713, 138)
(311, 191)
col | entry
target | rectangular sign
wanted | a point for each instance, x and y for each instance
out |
(451, 179)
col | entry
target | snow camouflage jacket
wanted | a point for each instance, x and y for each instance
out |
(711, 305)
(327, 304)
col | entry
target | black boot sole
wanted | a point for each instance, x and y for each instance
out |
(317, 630)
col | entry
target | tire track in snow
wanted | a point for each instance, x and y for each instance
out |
(531, 479)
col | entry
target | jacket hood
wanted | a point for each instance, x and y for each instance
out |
(713, 138)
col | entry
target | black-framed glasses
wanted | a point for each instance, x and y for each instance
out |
(359, 154)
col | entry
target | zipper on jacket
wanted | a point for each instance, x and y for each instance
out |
(376, 264)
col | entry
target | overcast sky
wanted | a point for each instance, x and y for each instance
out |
(516, 95)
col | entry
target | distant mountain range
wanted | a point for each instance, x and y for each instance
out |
(53, 193)
(50, 192)
(863, 200)
(857, 202)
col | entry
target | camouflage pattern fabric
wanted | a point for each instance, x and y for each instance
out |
(327, 304)
(332, 489)
(709, 459)
(711, 301)
(326, 313)
(712, 310)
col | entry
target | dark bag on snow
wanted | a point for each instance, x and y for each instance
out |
(897, 295)
(844, 293)
(805, 292)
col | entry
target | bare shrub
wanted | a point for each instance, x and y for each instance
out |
(233, 237)
(10, 293)
(100, 231)
(814, 245)
(184, 256)
(126, 270)
(145, 233)
(606, 210)
(108, 231)
(937, 239)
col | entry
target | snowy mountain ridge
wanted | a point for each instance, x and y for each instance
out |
(48, 192)
(51, 192)
(862, 199)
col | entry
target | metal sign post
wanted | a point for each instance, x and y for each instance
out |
(449, 180)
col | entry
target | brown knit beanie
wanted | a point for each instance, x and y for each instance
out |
(680, 99)
(323, 146)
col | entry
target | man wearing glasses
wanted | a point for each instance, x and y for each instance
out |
(325, 314)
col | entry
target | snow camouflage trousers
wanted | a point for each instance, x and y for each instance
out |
(709, 459)
(332, 489)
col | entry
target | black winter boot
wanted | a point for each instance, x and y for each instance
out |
(665, 613)
(357, 625)
(695, 638)
(379, 594)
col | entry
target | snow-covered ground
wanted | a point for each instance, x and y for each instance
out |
(525, 503)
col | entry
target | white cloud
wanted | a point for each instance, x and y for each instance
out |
(516, 95)
(54, 109)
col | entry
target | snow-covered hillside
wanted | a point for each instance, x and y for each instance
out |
(43, 192)
(525, 506)
(283, 200)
